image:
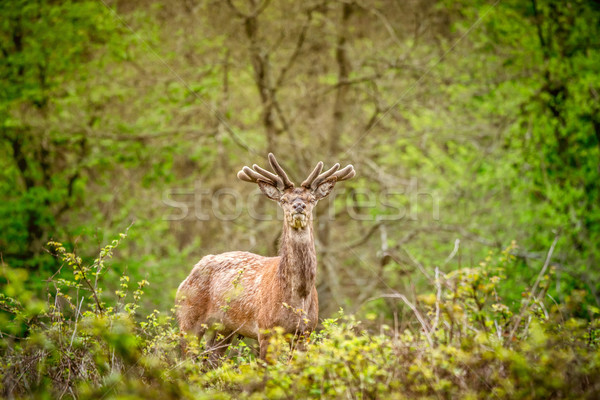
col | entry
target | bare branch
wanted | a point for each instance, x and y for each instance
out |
(453, 253)
(424, 324)
(533, 289)
(299, 43)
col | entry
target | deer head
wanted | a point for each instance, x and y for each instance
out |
(297, 202)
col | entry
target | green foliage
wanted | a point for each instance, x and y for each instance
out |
(84, 343)
(545, 59)
(469, 122)
(106, 113)
(48, 49)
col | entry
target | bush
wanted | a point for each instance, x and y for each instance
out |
(84, 343)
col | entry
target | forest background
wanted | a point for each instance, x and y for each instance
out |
(474, 126)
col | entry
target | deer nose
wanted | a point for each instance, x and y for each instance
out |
(299, 206)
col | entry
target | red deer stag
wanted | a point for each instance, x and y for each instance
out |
(248, 294)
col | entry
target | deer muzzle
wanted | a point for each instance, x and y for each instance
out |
(299, 220)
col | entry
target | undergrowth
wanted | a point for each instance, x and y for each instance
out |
(81, 342)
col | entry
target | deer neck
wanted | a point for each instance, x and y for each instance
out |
(298, 265)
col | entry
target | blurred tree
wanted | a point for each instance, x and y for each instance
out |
(465, 120)
(45, 49)
(538, 83)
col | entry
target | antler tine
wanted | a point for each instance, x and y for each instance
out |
(256, 176)
(242, 176)
(345, 173)
(256, 173)
(270, 175)
(277, 168)
(321, 178)
(248, 175)
(311, 177)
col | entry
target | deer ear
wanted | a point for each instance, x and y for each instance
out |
(325, 188)
(269, 190)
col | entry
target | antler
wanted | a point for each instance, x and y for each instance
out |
(279, 180)
(315, 178)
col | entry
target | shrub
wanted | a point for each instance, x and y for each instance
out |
(84, 343)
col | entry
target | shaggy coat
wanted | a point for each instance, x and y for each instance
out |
(248, 294)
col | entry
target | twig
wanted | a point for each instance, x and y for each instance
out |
(299, 43)
(77, 313)
(498, 330)
(424, 324)
(533, 289)
(437, 299)
(94, 293)
(418, 264)
(360, 240)
(545, 267)
(453, 253)
(557, 307)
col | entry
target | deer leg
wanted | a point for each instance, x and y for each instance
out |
(301, 338)
(183, 345)
(236, 351)
(191, 323)
(263, 342)
(199, 331)
(218, 344)
(299, 341)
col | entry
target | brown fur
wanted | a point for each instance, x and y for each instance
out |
(248, 294)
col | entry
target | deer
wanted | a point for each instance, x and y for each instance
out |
(246, 294)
